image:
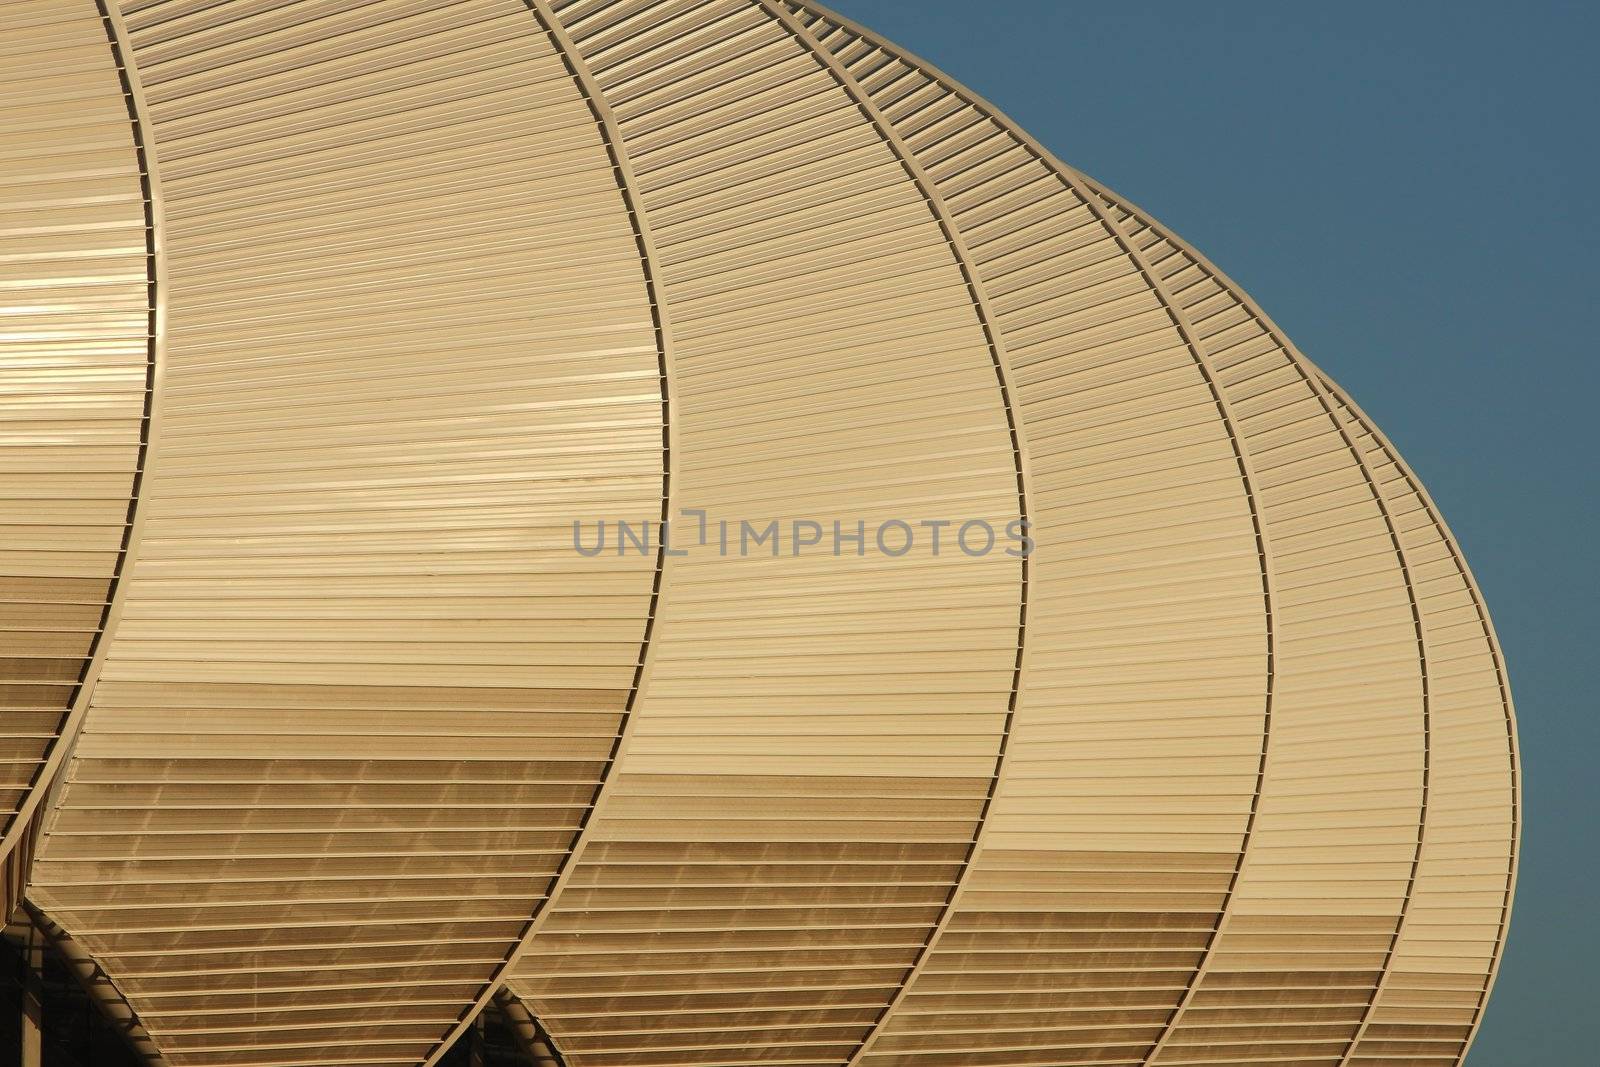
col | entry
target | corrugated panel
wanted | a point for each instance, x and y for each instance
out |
(363, 691)
(1432, 993)
(76, 365)
(1137, 748)
(1331, 857)
(818, 734)
(961, 142)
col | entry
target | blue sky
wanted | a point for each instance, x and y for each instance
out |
(1407, 190)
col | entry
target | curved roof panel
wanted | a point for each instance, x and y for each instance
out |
(1222, 771)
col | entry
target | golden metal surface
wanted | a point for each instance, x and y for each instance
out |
(328, 319)
(78, 358)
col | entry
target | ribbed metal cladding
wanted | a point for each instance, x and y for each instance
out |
(1223, 774)
(1325, 877)
(1138, 748)
(76, 367)
(1442, 960)
(363, 691)
(1434, 963)
(808, 767)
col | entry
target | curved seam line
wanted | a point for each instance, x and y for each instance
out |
(50, 773)
(622, 170)
(1247, 475)
(1496, 658)
(1309, 374)
(980, 302)
(1254, 309)
(1422, 820)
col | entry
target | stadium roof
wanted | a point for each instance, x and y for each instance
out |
(331, 324)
